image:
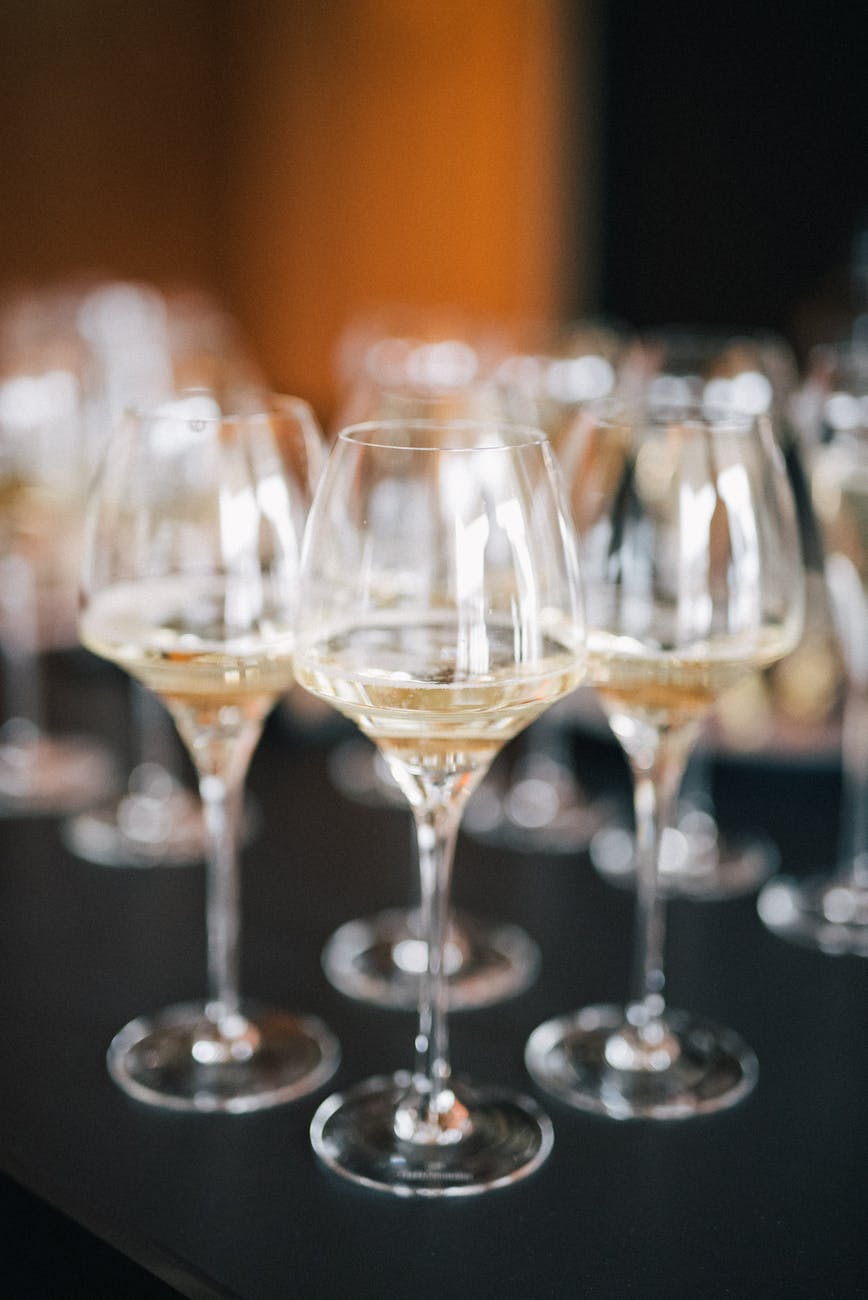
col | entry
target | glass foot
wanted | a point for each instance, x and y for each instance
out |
(43, 775)
(825, 912)
(696, 861)
(541, 809)
(500, 1139)
(183, 1059)
(586, 1060)
(380, 959)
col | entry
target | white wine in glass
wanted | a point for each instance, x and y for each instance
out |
(694, 580)
(380, 958)
(441, 612)
(190, 583)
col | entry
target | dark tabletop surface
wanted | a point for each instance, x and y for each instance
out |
(102, 1196)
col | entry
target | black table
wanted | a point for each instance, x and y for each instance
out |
(106, 1197)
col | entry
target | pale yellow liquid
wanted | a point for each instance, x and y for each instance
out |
(420, 706)
(172, 635)
(668, 689)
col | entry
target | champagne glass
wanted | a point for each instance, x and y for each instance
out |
(440, 611)
(380, 958)
(694, 580)
(190, 584)
(830, 911)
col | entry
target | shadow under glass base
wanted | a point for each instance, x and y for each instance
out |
(705, 1069)
(504, 1138)
(829, 913)
(43, 775)
(696, 860)
(380, 959)
(181, 1059)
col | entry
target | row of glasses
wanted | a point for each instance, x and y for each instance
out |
(438, 604)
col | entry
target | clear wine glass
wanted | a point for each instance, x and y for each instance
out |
(190, 583)
(830, 911)
(533, 801)
(380, 958)
(440, 611)
(142, 346)
(755, 372)
(694, 580)
(42, 477)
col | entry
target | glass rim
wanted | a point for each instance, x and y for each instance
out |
(265, 406)
(642, 414)
(512, 436)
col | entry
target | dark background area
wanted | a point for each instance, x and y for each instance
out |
(733, 162)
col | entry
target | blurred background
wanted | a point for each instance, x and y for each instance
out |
(537, 159)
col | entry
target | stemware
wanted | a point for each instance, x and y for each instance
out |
(694, 580)
(755, 372)
(380, 958)
(143, 345)
(830, 911)
(533, 801)
(189, 583)
(42, 476)
(440, 611)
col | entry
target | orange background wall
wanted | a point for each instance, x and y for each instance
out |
(304, 160)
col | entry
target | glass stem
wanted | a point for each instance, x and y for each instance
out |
(657, 777)
(854, 810)
(436, 833)
(222, 767)
(19, 600)
(220, 806)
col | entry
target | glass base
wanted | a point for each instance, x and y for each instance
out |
(697, 1069)
(181, 1059)
(130, 835)
(503, 1138)
(43, 775)
(825, 912)
(696, 860)
(380, 959)
(540, 809)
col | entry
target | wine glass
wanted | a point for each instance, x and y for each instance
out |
(142, 346)
(533, 801)
(380, 958)
(190, 583)
(756, 372)
(830, 911)
(440, 611)
(42, 476)
(694, 580)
